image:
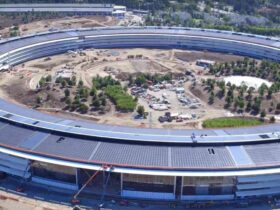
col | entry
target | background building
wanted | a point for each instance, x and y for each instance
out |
(72, 9)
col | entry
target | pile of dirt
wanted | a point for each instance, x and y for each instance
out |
(50, 64)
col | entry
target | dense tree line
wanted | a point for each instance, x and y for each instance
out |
(142, 78)
(248, 6)
(251, 7)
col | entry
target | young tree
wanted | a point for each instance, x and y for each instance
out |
(38, 100)
(211, 98)
(49, 78)
(249, 106)
(278, 106)
(68, 101)
(42, 82)
(80, 84)
(63, 83)
(93, 91)
(263, 114)
(96, 103)
(83, 92)
(140, 80)
(74, 80)
(256, 107)
(269, 93)
(262, 89)
(103, 101)
(272, 119)
(83, 108)
(70, 82)
(58, 80)
(77, 101)
(141, 110)
(67, 93)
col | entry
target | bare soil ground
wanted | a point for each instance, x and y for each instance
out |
(10, 201)
(20, 84)
(39, 24)
(191, 56)
(66, 23)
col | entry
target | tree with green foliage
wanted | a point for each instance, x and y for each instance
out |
(68, 101)
(249, 106)
(66, 93)
(102, 82)
(141, 111)
(123, 101)
(262, 89)
(96, 102)
(93, 91)
(256, 107)
(63, 83)
(74, 80)
(211, 98)
(49, 78)
(77, 101)
(272, 119)
(38, 100)
(83, 108)
(80, 84)
(103, 101)
(263, 114)
(58, 80)
(84, 93)
(140, 80)
(42, 82)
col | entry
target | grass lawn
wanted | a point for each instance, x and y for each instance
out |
(226, 122)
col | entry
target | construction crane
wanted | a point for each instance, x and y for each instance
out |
(105, 187)
(77, 201)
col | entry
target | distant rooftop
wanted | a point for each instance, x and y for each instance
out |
(72, 8)
(55, 5)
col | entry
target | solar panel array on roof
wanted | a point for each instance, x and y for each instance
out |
(195, 157)
(14, 136)
(141, 155)
(34, 140)
(2, 124)
(68, 147)
(264, 154)
(135, 155)
(240, 156)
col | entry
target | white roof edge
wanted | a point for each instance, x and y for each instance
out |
(211, 173)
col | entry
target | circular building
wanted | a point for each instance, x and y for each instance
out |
(119, 161)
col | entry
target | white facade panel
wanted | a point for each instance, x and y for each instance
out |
(55, 183)
(206, 197)
(147, 195)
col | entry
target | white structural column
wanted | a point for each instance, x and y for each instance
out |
(121, 183)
